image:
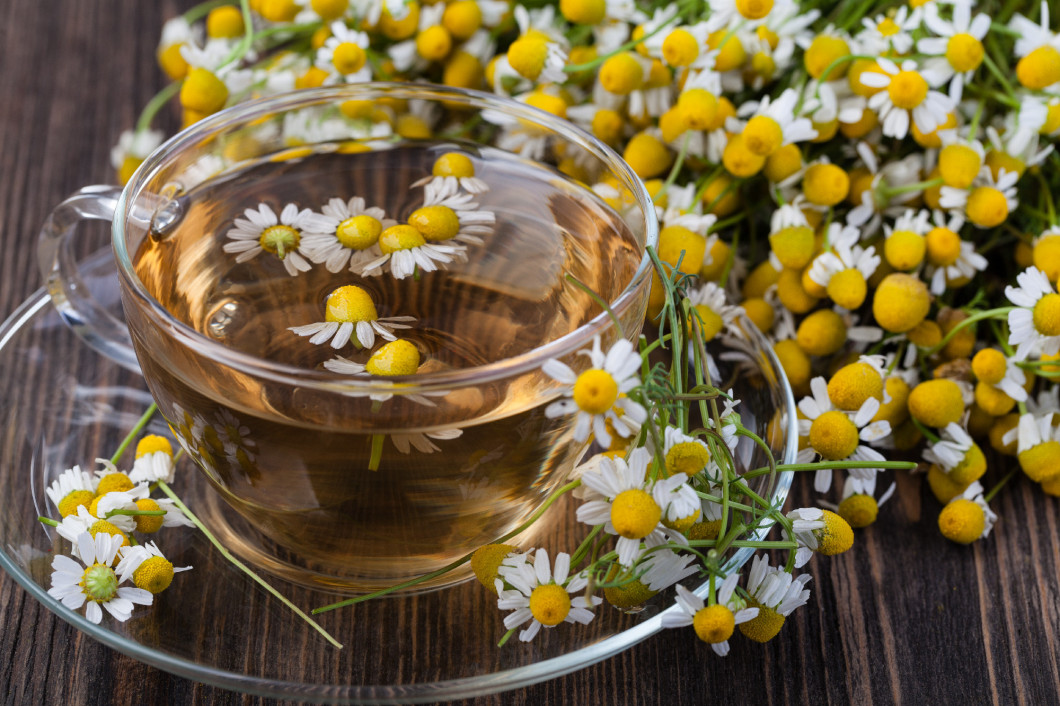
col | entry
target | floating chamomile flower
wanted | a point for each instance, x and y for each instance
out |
(835, 435)
(262, 231)
(95, 584)
(147, 567)
(454, 217)
(598, 395)
(406, 251)
(818, 530)
(347, 233)
(906, 97)
(350, 316)
(1034, 327)
(451, 172)
(776, 594)
(631, 506)
(344, 55)
(540, 594)
(398, 357)
(154, 460)
(714, 624)
(844, 271)
(72, 489)
(968, 517)
(957, 50)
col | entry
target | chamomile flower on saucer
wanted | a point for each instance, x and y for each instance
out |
(1034, 327)
(835, 435)
(261, 230)
(957, 47)
(968, 517)
(452, 218)
(598, 395)
(72, 489)
(541, 594)
(154, 460)
(987, 202)
(147, 567)
(844, 271)
(714, 624)
(95, 584)
(350, 316)
(405, 251)
(818, 530)
(776, 594)
(344, 55)
(631, 506)
(906, 97)
(346, 234)
(106, 503)
(451, 172)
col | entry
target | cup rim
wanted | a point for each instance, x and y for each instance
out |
(246, 112)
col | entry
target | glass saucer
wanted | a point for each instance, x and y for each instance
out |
(62, 403)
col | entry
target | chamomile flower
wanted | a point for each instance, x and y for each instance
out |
(776, 594)
(859, 505)
(835, 435)
(967, 517)
(423, 442)
(1038, 446)
(454, 217)
(72, 489)
(540, 52)
(950, 259)
(956, 455)
(1039, 51)
(346, 235)
(957, 49)
(147, 567)
(844, 270)
(906, 97)
(1034, 327)
(154, 460)
(987, 202)
(132, 148)
(451, 172)
(631, 506)
(714, 313)
(344, 55)
(542, 595)
(96, 583)
(598, 395)
(714, 624)
(890, 32)
(262, 231)
(683, 453)
(107, 503)
(818, 530)
(405, 251)
(350, 316)
(773, 124)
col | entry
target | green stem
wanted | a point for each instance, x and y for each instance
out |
(998, 313)
(203, 9)
(140, 424)
(147, 115)
(48, 521)
(930, 435)
(377, 452)
(600, 301)
(1000, 484)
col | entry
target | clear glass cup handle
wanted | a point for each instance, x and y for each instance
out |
(96, 326)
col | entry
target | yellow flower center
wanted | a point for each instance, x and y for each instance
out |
(453, 164)
(154, 574)
(825, 184)
(629, 595)
(607, 125)
(698, 108)
(394, 358)
(964, 52)
(350, 303)
(971, 468)
(203, 92)
(793, 246)
(907, 89)
(1052, 120)
(763, 65)
(462, 18)
(822, 53)
(859, 510)
(680, 48)
(99, 583)
(1046, 256)
(888, 27)
(901, 302)
(487, 560)
(836, 537)
(731, 53)
(550, 604)
(329, 9)
(435, 222)
(936, 403)
(148, 524)
(279, 240)
(763, 627)
(962, 521)
(710, 322)
(754, 9)
(527, 55)
(989, 366)
(904, 249)
(1047, 315)
(1040, 68)
(595, 391)
(153, 443)
(634, 514)
(688, 457)
(108, 528)
(359, 232)
(763, 135)
(172, 63)
(400, 237)
(958, 165)
(647, 155)
(848, 288)
(1041, 462)
(113, 482)
(739, 160)
(834, 436)
(73, 500)
(583, 12)
(348, 58)
(853, 384)
(987, 207)
(943, 247)
(621, 74)
(400, 29)
(434, 43)
(714, 623)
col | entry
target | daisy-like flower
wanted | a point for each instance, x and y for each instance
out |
(147, 567)
(1038, 446)
(776, 594)
(73, 488)
(844, 270)
(886, 32)
(714, 624)
(818, 530)
(132, 148)
(859, 505)
(423, 442)
(405, 250)
(415, 54)
(1039, 51)
(598, 395)
(683, 453)
(121, 500)
(1034, 327)
(951, 452)
(154, 460)
(542, 595)
(967, 517)
(454, 217)
(450, 173)
(715, 314)
(344, 55)
(987, 202)
(835, 435)
(262, 231)
(773, 124)
(631, 506)
(906, 97)
(868, 214)
(950, 259)
(957, 48)
(350, 316)
(95, 584)
(540, 52)
(348, 236)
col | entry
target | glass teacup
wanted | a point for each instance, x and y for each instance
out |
(239, 312)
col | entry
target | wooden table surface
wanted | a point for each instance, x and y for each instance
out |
(905, 617)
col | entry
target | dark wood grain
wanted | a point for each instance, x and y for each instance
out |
(905, 617)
